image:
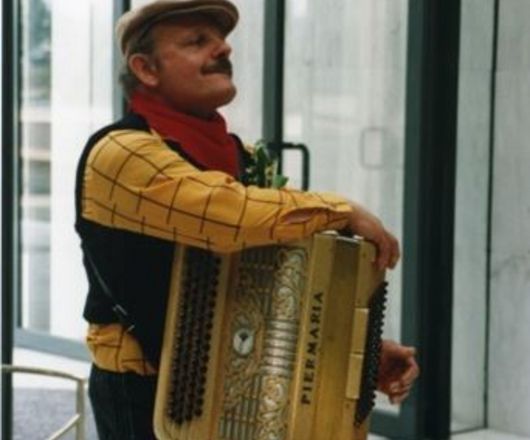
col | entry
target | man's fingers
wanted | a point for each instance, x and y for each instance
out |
(363, 223)
(404, 388)
(388, 250)
(411, 351)
(397, 399)
(399, 387)
(399, 370)
(413, 371)
(410, 375)
(384, 249)
(401, 394)
(394, 250)
(396, 253)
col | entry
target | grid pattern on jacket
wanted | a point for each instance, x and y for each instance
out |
(134, 181)
(114, 349)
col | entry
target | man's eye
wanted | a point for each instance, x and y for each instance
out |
(198, 40)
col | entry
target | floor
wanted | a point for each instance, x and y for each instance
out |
(486, 434)
(24, 384)
(43, 404)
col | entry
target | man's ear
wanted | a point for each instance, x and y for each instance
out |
(144, 69)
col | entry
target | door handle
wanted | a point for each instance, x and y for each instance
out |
(305, 160)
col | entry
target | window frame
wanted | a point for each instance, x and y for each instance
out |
(10, 191)
(32, 339)
(12, 333)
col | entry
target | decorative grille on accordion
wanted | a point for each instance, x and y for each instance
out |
(273, 343)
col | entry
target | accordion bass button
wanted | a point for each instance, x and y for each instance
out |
(243, 341)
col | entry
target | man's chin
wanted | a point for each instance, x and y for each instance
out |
(228, 96)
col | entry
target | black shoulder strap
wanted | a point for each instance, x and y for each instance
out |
(131, 121)
(118, 309)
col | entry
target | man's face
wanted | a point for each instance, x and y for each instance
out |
(191, 65)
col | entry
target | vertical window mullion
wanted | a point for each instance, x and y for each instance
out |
(273, 78)
(10, 199)
(119, 104)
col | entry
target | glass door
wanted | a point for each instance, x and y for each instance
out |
(344, 97)
(68, 90)
(65, 95)
(371, 86)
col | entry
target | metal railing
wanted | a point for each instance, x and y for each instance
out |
(77, 421)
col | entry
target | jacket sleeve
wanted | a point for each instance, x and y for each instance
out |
(134, 181)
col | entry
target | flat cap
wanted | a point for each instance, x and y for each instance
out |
(135, 23)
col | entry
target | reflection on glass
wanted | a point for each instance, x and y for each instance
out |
(345, 98)
(35, 155)
(244, 113)
(66, 91)
(65, 95)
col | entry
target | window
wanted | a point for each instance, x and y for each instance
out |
(66, 94)
(345, 94)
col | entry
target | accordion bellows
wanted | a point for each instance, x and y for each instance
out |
(273, 343)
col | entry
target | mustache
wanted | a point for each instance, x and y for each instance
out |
(223, 65)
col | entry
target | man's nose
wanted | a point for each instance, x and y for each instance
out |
(223, 49)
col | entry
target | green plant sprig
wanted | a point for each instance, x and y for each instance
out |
(262, 170)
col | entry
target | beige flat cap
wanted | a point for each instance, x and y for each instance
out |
(135, 23)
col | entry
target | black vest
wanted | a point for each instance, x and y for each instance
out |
(135, 268)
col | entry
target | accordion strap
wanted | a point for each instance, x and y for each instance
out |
(120, 311)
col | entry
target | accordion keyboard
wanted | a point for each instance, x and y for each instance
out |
(191, 352)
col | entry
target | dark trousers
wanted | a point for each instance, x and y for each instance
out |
(123, 404)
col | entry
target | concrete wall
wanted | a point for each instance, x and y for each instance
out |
(491, 359)
(509, 359)
(471, 215)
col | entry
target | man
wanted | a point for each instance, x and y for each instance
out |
(170, 172)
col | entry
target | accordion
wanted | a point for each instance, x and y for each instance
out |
(272, 343)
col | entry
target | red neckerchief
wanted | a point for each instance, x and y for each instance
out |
(206, 142)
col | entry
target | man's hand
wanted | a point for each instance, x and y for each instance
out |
(398, 371)
(370, 227)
